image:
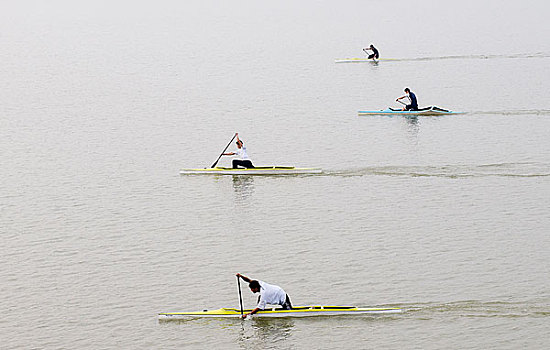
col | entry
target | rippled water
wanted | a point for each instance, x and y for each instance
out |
(445, 217)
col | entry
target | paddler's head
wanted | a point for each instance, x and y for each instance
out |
(371, 46)
(254, 286)
(407, 90)
(240, 144)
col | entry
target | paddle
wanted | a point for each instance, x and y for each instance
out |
(217, 160)
(240, 295)
(404, 104)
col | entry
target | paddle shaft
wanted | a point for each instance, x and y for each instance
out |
(217, 160)
(240, 294)
(404, 104)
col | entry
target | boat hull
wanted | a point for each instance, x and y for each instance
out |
(431, 110)
(362, 60)
(301, 311)
(271, 170)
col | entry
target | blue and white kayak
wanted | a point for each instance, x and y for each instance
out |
(430, 110)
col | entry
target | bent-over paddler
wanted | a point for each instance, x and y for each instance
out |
(374, 55)
(269, 294)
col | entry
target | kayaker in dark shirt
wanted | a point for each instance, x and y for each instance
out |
(374, 55)
(413, 106)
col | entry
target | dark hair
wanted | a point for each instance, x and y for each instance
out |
(254, 284)
(407, 90)
(371, 45)
(241, 141)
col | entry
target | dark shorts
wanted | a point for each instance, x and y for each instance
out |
(243, 163)
(287, 305)
(411, 108)
(371, 56)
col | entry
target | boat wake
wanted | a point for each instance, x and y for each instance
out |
(515, 112)
(476, 308)
(525, 169)
(483, 57)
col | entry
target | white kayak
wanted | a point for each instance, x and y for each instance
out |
(263, 170)
(299, 311)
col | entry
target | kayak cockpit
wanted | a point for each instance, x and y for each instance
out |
(424, 109)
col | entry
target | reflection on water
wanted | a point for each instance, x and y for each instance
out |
(413, 127)
(412, 120)
(243, 186)
(264, 333)
(255, 333)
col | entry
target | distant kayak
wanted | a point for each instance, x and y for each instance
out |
(430, 110)
(359, 60)
(300, 311)
(263, 170)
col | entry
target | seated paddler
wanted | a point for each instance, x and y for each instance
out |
(269, 294)
(413, 106)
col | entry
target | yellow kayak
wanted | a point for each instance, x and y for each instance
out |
(263, 170)
(359, 60)
(300, 311)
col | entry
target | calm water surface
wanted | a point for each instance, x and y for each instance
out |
(445, 217)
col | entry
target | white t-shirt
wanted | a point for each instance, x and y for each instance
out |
(241, 153)
(270, 294)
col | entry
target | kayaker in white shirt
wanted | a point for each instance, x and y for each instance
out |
(269, 294)
(244, 160)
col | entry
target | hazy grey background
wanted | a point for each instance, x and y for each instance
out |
(446, 217)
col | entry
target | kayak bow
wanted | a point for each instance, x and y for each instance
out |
(430, 110)
(300, 311)
(264, 170)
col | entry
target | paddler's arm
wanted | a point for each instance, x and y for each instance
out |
(252, 312)
(232, 153)
(246, 279)
(400, 98)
